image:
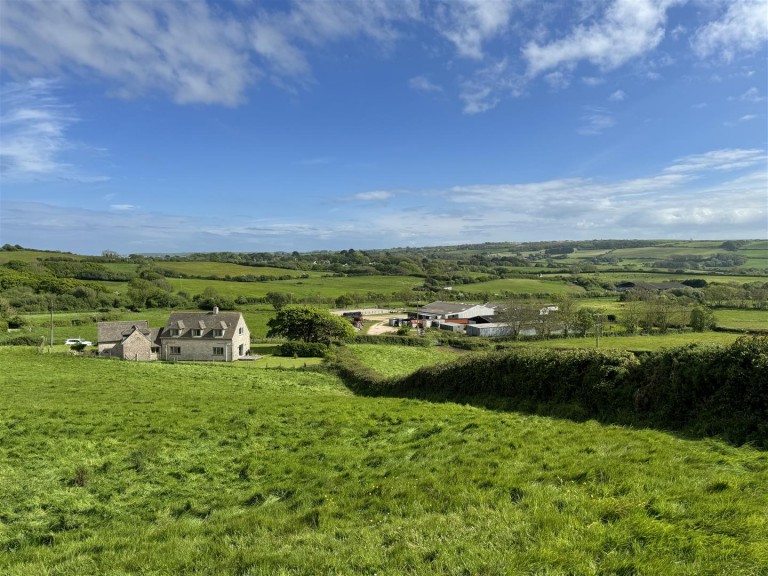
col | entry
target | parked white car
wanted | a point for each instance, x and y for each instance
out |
(73, 341)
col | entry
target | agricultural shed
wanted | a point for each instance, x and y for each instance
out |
(491, 329)
(448, 310)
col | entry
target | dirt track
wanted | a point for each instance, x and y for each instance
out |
(381, 327)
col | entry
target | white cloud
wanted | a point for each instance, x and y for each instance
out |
(717, 194)
(123, 207)
(718, 160)
(423, 84)
(617, 96)
(186, 49)
(592, 80)
(34, 140)
(743, 27)
(628, 29)
(752, 95)
(488, 86)
(468, 24)
(376, 196)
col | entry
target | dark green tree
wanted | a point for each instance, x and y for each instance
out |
(309, 324)
(277, 299)
(702, 319)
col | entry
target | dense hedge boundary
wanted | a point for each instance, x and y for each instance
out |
(705, 391)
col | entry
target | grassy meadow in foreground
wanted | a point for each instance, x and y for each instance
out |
(111, 467)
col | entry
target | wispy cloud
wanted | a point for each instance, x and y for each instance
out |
(186, 49)
(741, 27)
(34, 125)
(717, 194)
(595, 121)
(199, 52)
(628, 29)
(468, 24)
(752, 95)
(424, 84)
(617, 96)
(489, 86)
(317, 161)
(718, 160)
(375, 195)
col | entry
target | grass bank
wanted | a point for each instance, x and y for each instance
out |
(127, 468)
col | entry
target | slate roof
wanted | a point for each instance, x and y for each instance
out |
(205, 321)
(116, 331)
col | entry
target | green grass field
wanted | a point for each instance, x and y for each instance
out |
(111, 467)
(315, 286)
(654, 342)
(214, 269)
(522, 286)
(401, 360)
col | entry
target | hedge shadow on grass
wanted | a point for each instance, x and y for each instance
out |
(694, 391)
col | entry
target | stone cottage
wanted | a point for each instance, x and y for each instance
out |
(198, 336)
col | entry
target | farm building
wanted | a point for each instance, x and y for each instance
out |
(450, 310)
(491, 329)
(200, 336)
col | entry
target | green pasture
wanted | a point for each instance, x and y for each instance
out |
(315, 286)
(742, 319)
(637, 342)
(522, 286)
(111, 467)
(224, 269)
(390, 360)
(639, 276)
(33, 255)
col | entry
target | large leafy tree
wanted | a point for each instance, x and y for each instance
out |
(309, 324)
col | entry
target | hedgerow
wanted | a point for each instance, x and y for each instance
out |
(715, 390)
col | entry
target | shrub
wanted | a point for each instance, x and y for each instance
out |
(24, 340)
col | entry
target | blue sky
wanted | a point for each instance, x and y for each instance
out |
(144, 126)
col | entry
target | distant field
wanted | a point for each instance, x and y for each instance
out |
(329, 287)
(223, 269)
(111, 467)
(742, 319)
(655, 342)
(522, 286)
(639, 276)
(32, 255)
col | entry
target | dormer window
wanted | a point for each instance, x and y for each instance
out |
(197, 333)
(218, 333)
(175, 332)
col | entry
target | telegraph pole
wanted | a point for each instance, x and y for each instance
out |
(50, 340)
(598, 328)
